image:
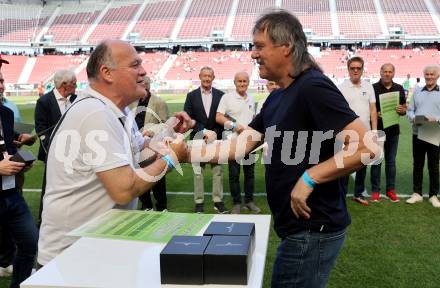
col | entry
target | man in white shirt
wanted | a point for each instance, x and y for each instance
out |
(90, 164)
(235, 111)
(361, 99)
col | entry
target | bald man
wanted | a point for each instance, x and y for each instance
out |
(100, 172)
(235, 111)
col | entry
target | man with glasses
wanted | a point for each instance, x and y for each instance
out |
(361, 99)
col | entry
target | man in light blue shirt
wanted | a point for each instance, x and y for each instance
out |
(425, 102)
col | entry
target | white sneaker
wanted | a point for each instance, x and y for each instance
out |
(7, 272)
(415, 197)
(434, 201)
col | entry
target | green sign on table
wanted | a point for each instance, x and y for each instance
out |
(143, 226)
(388, 103)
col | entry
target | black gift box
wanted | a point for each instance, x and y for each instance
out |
(227, 260)
(230, 229)
(23, 156)
(181, 261)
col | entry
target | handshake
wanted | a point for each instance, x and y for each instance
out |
(168, 138)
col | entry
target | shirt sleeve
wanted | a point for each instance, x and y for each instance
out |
(371, 93)
(327, 106)
(104, 143)
(412, 107)
(222, 106)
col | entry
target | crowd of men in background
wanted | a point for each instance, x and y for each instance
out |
(117, 80)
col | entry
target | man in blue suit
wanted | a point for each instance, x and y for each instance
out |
(15, 216)
(201, 105)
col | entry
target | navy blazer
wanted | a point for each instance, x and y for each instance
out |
(7, 119)
(47, 114)
(194, 107)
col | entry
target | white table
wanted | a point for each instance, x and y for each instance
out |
(92, 262)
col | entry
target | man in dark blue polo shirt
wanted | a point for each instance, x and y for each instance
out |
(300, 122)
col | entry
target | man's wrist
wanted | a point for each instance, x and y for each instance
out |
(169, 161)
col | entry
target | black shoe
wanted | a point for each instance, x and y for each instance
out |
(199, 208)
(220, 208)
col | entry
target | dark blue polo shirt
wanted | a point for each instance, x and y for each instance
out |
(311, 103)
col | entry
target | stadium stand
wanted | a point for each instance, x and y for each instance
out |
(21, 24)
(247, 12)
(205, 16)
(225, 64)
(411, 15)
(73, 21)
(358, 19)
(115, 21)
(12, 72)
(46, 65)
(158, 19)
(314, 15)
(406, 61)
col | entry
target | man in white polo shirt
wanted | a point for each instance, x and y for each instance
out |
(361, 99)
(90, 163)
(235, 111)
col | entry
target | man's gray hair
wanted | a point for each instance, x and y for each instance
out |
(102, 55)
(63, 76)
(245, 73)
(284, 28)
(207, 68)
(434, 67)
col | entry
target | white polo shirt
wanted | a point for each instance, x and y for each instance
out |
(96, 141)
(359, 98)
(242, 109)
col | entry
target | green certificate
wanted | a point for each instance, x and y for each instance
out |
(388, 103)
(143, 226)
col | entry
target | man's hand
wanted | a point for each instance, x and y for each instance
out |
(209, 136)
(298, 199)
(239, 128)
(185, 122)
(401, 109)
(179, 147)
(432, 119)
(25, 139)
(8, 168)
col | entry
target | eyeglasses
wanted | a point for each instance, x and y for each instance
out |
(356, 68)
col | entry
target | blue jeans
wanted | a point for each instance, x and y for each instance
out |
(390, 150)
(16, 218)
(305, 259)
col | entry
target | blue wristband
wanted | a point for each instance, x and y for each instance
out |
(169, 161)
(309, 181)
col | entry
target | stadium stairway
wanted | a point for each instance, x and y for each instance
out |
(27, 70)
(166, 67)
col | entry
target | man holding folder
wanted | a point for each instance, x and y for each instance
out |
(390, 105)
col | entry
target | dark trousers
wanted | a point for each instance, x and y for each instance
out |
(16, 218)
(234, 181)
(359, 182)
(160, 194)
(43, 190)
(390, 150)
(420, 149)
